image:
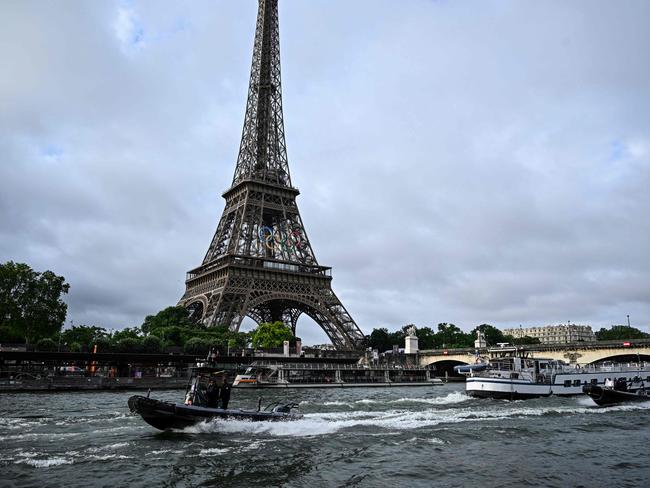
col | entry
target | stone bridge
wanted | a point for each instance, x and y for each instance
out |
(576, 353)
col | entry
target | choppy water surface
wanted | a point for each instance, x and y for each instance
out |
(354, 437)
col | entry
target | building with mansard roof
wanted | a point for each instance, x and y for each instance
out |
(555, 334)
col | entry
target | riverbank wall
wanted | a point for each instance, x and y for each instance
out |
(94, 383)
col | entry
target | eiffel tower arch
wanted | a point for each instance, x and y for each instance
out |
(260, 262)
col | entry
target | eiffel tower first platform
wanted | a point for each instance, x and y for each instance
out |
(260, 263)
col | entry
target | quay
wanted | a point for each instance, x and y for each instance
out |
(33, 371)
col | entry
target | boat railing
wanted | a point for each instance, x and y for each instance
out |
(327, 366)
(591, 368)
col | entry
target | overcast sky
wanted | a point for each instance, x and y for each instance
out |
(458, 161)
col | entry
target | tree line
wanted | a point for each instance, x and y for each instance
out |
(32, 311)
(447, 336)
(450, 336)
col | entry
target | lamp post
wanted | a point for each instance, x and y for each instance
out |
(628, 320)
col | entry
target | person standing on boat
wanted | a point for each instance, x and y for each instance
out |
(212, 394)
(225, 393)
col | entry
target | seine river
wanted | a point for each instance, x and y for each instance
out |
(400, 437)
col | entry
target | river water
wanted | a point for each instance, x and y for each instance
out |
(370, 437)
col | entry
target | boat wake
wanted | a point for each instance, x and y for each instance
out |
(317, 424)
(450, 399)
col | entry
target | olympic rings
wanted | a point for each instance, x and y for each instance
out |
(280, 238)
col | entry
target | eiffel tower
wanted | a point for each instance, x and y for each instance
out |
(260, 263)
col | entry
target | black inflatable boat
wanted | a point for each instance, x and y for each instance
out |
(206, 398)
(605, 396)
(165, 415)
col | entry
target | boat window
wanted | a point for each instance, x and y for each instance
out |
(594, 381)
(647, 378)
(567, 383)
(576, 382)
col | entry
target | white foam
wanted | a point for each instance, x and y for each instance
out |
(46, 463)
(108, 447)
(366, 401)
(105, 457)
(215, 451)
(449, 399)
(164, 451)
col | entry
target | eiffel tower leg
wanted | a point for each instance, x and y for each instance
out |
(290, 318)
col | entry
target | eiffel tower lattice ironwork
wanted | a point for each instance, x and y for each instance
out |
(260, 263)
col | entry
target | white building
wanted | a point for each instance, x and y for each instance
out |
(555, 334)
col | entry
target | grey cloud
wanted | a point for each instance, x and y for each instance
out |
(462, 162)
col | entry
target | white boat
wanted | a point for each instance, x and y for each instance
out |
(512, 374)
(269, 374)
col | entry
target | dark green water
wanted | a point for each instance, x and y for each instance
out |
(410, 437)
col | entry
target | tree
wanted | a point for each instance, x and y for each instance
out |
(126, 333)
(379, 339)
(30, 302)
(46, 344)
(129, 344)
(196, 345)
(83, 335)
(397, 338)
(103, 344)
(426, 338)
(168, 317)
(152, 344)
(523, 341)
(620, 332)
(492, 335)
(450, 336)
(271, 335)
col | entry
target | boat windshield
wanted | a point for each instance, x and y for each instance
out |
(195, 393)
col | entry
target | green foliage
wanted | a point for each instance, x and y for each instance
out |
(382, 340)
(152, 344)
(103, 344)
(197, 345)
(521, 341)
(30, 302)
(426, 338)
(176, 336)
(46, 344)
(450, 336)
(129, 344)
(447, 336)
(75, 347)
(82, 334)
(492, 335)
(270, 335)
(620, 332)
(9, 335)
(126, 333)
(166, 318)
(379, 339)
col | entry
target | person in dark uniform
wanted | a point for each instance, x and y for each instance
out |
(225, 393)
(212, 394)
